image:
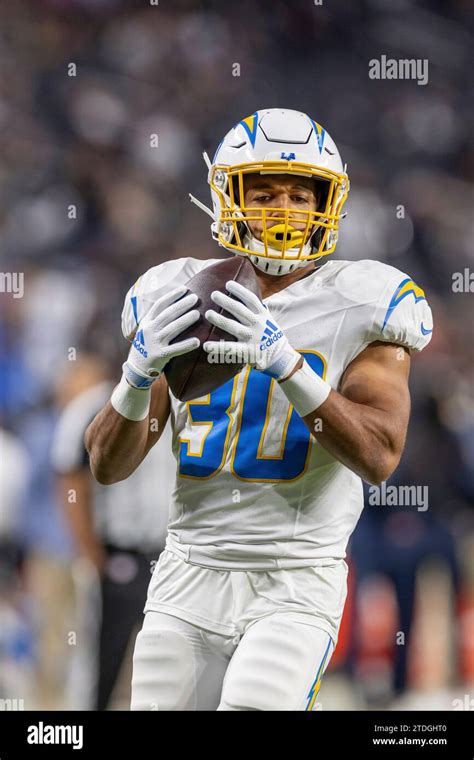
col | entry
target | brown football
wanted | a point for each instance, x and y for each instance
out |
(192, 375)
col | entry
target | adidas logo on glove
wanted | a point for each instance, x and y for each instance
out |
(139, 344)
(270, 336)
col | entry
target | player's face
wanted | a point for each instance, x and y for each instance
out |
(276, 192)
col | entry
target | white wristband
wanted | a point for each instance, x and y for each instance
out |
(132, 403)
(305, 390)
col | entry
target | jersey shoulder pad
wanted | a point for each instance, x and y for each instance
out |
(153, 284)
(402, 314)
(395, 307)
(360, 281)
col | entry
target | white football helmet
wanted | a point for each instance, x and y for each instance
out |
(275, 141)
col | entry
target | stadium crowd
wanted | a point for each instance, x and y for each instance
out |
(90, 200)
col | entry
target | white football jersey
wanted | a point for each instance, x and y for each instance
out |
(253, 489)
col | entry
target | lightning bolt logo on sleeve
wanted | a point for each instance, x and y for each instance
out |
(407, 287)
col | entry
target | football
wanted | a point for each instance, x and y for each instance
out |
(193, 375)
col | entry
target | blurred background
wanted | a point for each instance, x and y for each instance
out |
(87, 204)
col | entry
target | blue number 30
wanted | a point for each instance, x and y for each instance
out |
(247, 462)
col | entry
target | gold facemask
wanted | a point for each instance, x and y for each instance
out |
(286, 232)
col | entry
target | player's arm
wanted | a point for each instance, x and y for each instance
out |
(123, 432)
(79, 514)
(73, 479)
(118, 445)
(364, 424)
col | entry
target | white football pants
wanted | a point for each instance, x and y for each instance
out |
(277, 664)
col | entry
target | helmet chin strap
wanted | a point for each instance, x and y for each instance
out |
(275, 266)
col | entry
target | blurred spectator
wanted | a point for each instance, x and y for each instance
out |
(120, 529)
(16, 635)
(105, 108)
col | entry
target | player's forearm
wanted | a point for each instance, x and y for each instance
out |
(85, 537)
(116, 445)
(359, 436)
(79, 514)
(366, 437)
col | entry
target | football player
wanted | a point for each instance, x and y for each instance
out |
(245, 603)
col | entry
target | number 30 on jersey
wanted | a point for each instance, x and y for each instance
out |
(252, 425)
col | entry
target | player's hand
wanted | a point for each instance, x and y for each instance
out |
(260, 341)
(150, 351)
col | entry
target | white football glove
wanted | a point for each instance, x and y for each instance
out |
(260, 341)
(150, 351)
